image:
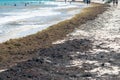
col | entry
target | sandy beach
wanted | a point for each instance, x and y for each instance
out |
(85, 47)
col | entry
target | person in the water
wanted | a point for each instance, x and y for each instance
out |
(115, 2)
(25, 4)
(15, 5)
(87, 1)
(65, 1)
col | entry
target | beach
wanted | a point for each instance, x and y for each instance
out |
(20, 20)
(74, 49)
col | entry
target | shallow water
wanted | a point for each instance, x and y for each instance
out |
(20, 20)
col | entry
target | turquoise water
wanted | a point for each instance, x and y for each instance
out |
(20, 20)
(21, 2)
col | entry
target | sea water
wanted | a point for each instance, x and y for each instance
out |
(19, 18)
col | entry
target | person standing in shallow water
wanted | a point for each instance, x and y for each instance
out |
(115, 2)
(88, 1)
(65, 1)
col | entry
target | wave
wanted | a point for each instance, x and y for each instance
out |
(17, 22)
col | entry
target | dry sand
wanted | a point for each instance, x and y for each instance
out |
(104, 32)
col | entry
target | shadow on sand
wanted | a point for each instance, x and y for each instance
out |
(54, 63)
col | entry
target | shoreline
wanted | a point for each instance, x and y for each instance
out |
(19, 50)
(24, 24)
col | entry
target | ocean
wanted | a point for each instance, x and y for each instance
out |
(19, 18)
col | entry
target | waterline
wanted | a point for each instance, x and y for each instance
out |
(16, 22)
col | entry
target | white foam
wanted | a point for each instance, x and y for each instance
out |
(19, 24)
(23, 15)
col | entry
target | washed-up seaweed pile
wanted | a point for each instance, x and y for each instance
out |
(18, 50)
(51, 63)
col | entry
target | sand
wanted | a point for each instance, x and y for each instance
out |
(89, 52)
(104, 32)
